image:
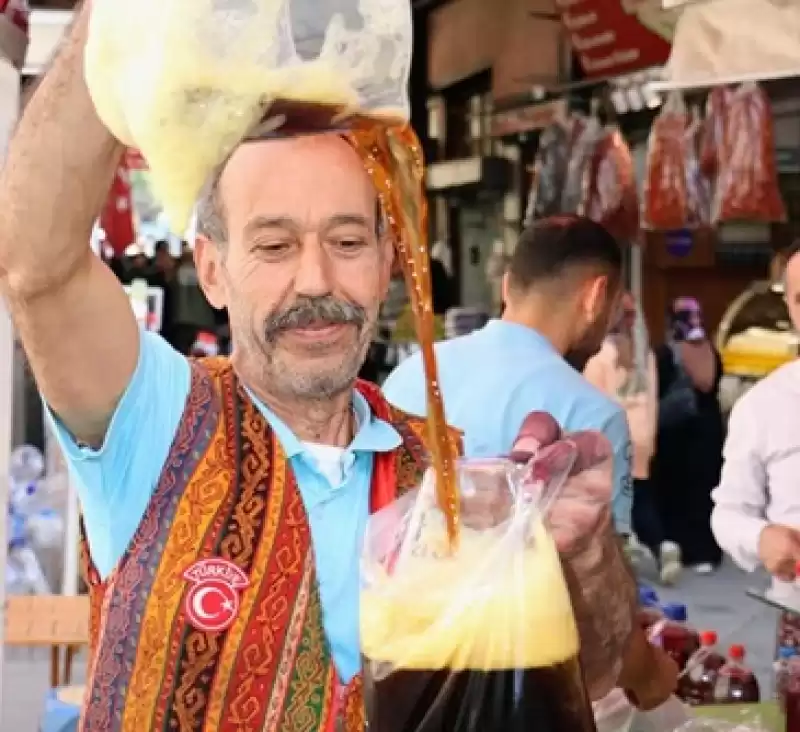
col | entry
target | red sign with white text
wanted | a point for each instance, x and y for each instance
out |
(613, 37)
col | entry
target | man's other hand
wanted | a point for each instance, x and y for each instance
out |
(779, 551)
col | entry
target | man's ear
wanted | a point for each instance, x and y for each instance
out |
(208, 260)
(505, 286)
(596, 292)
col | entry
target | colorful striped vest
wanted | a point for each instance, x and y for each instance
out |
(227, 494)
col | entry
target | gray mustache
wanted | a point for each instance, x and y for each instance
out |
(308, 310)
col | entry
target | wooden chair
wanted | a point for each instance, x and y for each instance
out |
(53, 621)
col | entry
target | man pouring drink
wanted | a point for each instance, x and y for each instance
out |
(226, 501)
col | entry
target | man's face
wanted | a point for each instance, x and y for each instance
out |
(304, 271)
(792, 294)
(598, 308)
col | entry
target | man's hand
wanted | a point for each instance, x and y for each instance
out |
(779, 551)
(602, 587)
(654, 681)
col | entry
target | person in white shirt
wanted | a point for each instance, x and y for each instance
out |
(756, 518)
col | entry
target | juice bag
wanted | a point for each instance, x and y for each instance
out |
(478, 637)
(201, 75)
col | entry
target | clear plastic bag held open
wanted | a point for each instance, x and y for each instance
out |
(184, 81)
(479, 637)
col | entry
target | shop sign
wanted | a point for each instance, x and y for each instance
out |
(612, 37)
(527, 119)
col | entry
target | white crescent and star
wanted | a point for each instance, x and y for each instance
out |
(199, 604)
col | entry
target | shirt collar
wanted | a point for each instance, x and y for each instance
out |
(372, 434)
(505, 333)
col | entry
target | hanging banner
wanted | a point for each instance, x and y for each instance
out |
(613, 37)
(116, 219)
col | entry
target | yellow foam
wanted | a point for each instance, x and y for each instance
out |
(480, 609)
(184, 103)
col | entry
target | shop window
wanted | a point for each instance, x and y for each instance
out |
(467, 124)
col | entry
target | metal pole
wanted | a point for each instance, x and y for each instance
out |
(9, 111)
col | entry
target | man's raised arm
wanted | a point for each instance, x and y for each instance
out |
(71, 313)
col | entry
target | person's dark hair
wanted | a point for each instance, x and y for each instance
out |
(555, 247)
(162, 246)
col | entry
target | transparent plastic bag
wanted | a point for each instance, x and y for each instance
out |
(747, 188)
(477, 638)
(610, 195)
(201, 75)
(584, 133)
(698, 185)
(665, 204)
(483, 637)
(714, 130)
(551, 166)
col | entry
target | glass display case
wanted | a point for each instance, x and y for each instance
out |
(754, 338)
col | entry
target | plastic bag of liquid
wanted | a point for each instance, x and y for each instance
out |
(747, 187)
(610, 195)
(665, 203)
(184, 81)
(479, 636)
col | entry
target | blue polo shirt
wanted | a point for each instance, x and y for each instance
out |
(116, 482)
(493, 378)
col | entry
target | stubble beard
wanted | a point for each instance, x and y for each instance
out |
(287, 377)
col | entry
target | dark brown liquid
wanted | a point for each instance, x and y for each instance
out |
(697, 686)
(303, 118)
(393, 159)
(549, 699)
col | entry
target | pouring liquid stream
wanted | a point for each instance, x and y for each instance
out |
(393, 158)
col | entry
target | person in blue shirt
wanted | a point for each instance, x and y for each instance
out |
(562, 291)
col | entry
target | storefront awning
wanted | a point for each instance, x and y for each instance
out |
(730, 41)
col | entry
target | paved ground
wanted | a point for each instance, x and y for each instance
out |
(715, 603)
(718, 602)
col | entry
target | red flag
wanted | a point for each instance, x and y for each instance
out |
(117, 216)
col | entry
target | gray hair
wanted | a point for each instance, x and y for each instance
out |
(210, 210)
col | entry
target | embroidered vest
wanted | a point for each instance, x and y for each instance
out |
(227, 494)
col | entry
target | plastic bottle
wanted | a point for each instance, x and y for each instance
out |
(677, 638)
(791, 697)
(736, 683)
(696, 686)
(649, 608)
(781, 674)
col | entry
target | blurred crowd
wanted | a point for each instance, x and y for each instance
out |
(670, 398)
(187, 318)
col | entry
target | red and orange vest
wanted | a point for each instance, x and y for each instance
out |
(227, 492)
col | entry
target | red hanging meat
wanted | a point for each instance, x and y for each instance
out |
(665, 206)
(609, 187)
(747, 187)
